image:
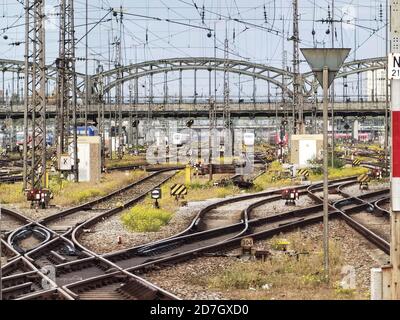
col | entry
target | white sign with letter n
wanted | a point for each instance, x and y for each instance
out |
(394, 66)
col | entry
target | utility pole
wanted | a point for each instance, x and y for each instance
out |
(298, 125)
(331, 20)
(100, 113)
(333, 87)
(34, 171)
(227, 113)
(212, 113)
(212, 130)
(386, 126)
(87, 86)
(118, 66)
(66, 89)
(325, 63)
(325, 74)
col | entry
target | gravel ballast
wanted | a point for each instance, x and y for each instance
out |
(183, 279)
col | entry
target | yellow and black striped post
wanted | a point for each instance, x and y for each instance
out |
(178, 190)
(356, 162)
(363, 181)
(303, 173)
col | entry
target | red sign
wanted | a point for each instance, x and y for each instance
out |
(396, 143)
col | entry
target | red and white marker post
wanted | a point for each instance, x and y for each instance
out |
(391, 274)
(395, 189)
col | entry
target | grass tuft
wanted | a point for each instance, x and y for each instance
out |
(142, 218)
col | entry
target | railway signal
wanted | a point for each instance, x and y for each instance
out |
(325, 63)
(376, 174)
(290, 195)
(156, 194)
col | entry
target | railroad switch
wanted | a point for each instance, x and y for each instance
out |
(290, 195)
(39, 197)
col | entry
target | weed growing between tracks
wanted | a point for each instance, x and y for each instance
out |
(11, 193)
(127, 160)
(295, 274)
(145, 217)
(70, 193)
(141, 218)
(268, 179)
(338, 173)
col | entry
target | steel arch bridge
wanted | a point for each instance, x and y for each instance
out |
(258, 71)
(18, 68)
(348, 68)
(279, 77)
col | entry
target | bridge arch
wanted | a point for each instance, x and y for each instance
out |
(255, 70)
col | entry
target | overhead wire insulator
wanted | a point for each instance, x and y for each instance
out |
(265, 15)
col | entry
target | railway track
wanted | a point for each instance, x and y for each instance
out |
(107, 205)
(193, 238)
(60, 249)
(85, 266)
(260, 229)
(91, 275)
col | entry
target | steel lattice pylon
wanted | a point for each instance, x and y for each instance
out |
(118, 92)
(100, 113)
(297, 94)
(35, 101)
(226, 113)
(66, 88)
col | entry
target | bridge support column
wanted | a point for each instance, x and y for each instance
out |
(180, 86)
(165, 88)
(136, 100)
(254, 92)
(151, 88)
(3, 94)
(130, 129)
(195, 87)
(239, 92)
(356, 126)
